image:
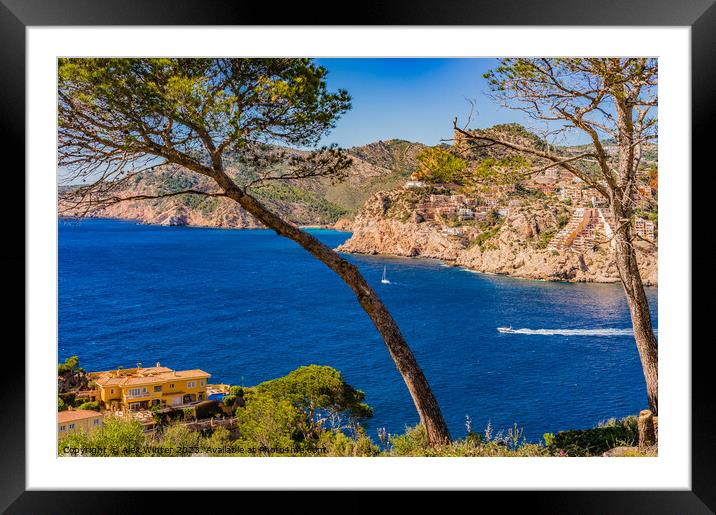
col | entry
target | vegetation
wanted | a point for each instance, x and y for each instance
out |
(593, 97)
(71, 365)
(92, 405)
(118, 116)
(492, 171)
(322, 210)
(490, 226)
(313, 412)
(484, 237)
(272, 431)
(595, 441)
(546, 235)
(320, 395)
(438, 165)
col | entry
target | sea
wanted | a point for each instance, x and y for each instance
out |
(248, 306)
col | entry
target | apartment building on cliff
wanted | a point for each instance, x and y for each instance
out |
(586, 228)
(644, 229)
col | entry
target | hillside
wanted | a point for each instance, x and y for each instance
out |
(515, 242)
(550, 226)
(376, 166)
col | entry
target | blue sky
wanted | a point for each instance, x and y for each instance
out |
(414, 99)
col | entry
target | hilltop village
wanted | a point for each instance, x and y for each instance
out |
(551, 225)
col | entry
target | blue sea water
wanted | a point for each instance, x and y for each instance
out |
(248, 306)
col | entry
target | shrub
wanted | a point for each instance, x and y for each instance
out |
(483, 237)
(268, 421)
(156, 415)
(438, 165)
(474, 438)
(61, 405)
(236, 391)
(92, 405)
(413, 443)
(337, 443)
(177, 440)
(545, 237)
(597, 440)
(548, 439)
(71, 364)
(116, 437)
(207, 409)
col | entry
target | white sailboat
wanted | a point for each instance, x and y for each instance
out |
(384, 280)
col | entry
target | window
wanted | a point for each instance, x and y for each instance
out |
(95, 422)
(171, 385)
(72, 426)
(62, 428)
(158, 388)
(191, 384)
(136, 392)
(112, 391)
(201, 382)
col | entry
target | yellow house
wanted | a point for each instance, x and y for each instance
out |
(143, 388)
(72, 421)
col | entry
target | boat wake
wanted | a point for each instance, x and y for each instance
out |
(568, 332)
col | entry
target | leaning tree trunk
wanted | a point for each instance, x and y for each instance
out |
(430, 415)
(638, 305)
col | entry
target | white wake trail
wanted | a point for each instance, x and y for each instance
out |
(568, 332)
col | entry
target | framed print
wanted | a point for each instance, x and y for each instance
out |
(417, 252)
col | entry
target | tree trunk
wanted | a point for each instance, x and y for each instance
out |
(430, 415)
(638, 306)
(645, 428)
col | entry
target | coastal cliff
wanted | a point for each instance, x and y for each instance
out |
(515, 244)
(310, 202)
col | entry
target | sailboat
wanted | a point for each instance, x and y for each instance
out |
(384, 280)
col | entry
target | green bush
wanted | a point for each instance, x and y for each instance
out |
(597, 440)
(71, 364)
(545, 237)
(61, 405)
(548, 439)
(236, 391)
(92, 405)
(484, 237)
(177, 440)
(116, 437)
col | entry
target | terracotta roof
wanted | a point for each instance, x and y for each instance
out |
(149, 379)
(80, 414)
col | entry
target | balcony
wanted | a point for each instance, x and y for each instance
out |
(141, 395)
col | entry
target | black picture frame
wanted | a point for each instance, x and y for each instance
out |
(17, 15)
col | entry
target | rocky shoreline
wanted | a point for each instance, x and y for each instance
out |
(512, 250)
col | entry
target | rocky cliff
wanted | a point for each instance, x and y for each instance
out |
(376, 166)
(515, 244)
